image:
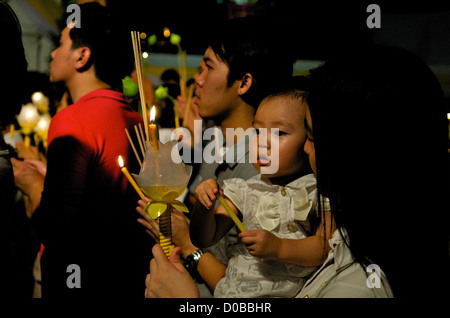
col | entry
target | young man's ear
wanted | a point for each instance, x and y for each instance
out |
(246, 83)
(83, 58)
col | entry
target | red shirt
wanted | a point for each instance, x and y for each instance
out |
(98, 120)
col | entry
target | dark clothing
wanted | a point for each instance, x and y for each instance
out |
(87, 214)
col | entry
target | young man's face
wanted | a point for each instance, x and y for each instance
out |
(212, 96)
(61, 66)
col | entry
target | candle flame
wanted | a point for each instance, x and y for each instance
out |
(120, 161)
(36, 96)
(152, 115)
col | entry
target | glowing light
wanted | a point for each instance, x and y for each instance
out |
(145, 55)
(166, 32)
(36, 97)
(152, 115)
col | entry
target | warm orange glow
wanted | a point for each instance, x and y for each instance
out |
(152, 115)
(130, 178)
(166, 32)
(153, 132)
(120, 161)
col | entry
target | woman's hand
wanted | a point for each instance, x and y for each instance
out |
(151, 226)
(168, 278)
(30, 180)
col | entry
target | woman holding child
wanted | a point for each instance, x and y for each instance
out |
(376, 140)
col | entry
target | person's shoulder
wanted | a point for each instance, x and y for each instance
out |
(354, 282)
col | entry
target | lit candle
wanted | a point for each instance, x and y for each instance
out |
(153, 134)
(28, 118)
(130, 178)
(231, 213)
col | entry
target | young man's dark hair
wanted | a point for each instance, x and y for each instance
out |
(251, 45)
(109, 40)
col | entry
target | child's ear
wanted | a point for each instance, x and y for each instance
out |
(246, 83)
(82, 57)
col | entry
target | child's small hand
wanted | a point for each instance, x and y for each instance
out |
(206, 192)
(261, 243)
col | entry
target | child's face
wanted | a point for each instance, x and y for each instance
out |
(285, 114)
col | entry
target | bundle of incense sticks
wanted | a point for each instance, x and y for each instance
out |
(188, 103)
(135, 37)
(141, 140)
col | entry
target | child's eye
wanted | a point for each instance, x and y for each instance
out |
(280, 133)
(309, 138)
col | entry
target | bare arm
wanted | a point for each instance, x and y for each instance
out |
(209, 225)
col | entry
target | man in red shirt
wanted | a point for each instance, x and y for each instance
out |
(86, 218)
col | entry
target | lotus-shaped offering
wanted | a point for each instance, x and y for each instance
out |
(163, 178)
(28, 119)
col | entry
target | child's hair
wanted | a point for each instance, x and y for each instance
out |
(295, 87)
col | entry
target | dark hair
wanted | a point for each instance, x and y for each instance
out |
(109, 40)
(254, 45)
(380, 135)
(170, 75)
(14, 65)
(295, 86)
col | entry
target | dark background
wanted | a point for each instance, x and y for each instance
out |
(319, 28)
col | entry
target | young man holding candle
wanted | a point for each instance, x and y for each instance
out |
(85, 214)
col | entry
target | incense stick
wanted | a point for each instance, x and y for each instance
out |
(134, 148)
(188, 103)
(142, 135)
(140, 141)
(135, 37)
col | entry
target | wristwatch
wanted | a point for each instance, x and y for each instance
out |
(190, 263)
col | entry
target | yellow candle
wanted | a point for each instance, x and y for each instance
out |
(153, 134)
(130, 178)
(27, 141)
(231, 213)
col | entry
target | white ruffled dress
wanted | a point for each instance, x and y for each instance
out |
(284, 211)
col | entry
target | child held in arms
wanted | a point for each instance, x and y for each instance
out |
(284, 242)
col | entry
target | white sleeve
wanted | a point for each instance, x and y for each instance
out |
(235, 189)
